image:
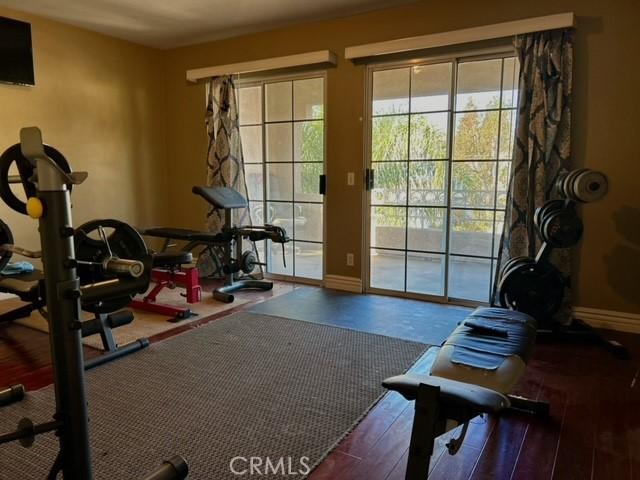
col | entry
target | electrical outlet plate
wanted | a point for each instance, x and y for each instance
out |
(351, 179)
(350, 259)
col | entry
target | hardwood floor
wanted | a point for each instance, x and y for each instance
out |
(593, 431)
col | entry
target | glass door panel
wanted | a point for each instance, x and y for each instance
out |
(284, 188)
(441, 142)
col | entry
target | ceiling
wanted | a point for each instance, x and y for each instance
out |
(167, 24)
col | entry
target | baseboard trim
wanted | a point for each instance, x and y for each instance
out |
(347, 284)
(609, 319)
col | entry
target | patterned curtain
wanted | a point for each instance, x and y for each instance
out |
(542, 148)
(225, 164)
(225, 167)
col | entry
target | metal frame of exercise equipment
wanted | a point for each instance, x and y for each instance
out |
(186, 278)
(51, 204)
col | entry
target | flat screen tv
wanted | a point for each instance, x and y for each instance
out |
(16, 58)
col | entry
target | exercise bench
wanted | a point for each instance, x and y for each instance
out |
(472, 374)
(168, 272)
(29, 287)
(228, 241)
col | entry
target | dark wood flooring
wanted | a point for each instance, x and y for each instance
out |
(593, 431)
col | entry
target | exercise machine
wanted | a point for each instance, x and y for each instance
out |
(534, 285)
(472, 373)
(47, 180)
(169, 271)
(228, 242)
(29, 287)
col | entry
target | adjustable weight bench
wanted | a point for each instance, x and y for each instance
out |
(168, 272)
(29, 288)
(227, 243)
(473, 373)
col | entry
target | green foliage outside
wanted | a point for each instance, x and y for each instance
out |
(311, 150)
(475, 138)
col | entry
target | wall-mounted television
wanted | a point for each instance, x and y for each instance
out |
(16, 57)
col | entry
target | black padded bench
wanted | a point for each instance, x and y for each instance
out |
(29, 288)
(186, 234)
(226, 246)
(473, 373)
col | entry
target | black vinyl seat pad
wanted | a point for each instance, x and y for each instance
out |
(24, 285)
(221, 197)
(186, 234)
(171, 258)
(480, 349)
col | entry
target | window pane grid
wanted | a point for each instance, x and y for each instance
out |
(399, 164)
(289, 183)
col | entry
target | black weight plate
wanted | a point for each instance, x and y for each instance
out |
(248, 262)
(5, 237)
(562, 229)
(125, 242)
(536, 216)
(535, 289)
(542, 212)
(510, 263)
(508, 276)
(26, 170)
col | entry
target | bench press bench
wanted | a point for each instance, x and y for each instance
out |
(473, 373)
(226, 245)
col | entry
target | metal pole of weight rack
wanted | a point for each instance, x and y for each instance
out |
(62, 288)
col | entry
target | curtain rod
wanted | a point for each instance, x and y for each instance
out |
(465, 35)
(320, 58)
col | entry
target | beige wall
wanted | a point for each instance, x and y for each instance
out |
(126, 114)
(607, 82)
(100, 101)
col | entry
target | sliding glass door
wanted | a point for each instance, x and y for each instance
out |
(441, 137)
(282, 129)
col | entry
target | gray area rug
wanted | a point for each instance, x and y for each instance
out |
(246, 385)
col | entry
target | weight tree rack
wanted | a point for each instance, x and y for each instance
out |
(534, 285)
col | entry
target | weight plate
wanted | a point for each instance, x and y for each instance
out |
(248, 262)
(536, 217)
(5, 237)
(507, 277)
(560, 184)
(589, 186)
(535, 288)
(125, 242)
(544, 210)
(562, 229)
(14, 155)
(569, 183)
(511, 263)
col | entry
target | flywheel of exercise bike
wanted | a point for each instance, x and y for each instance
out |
(123, 242)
